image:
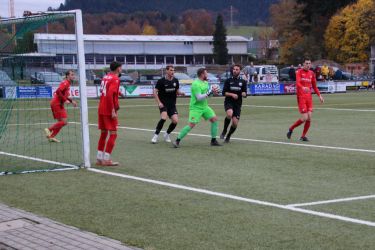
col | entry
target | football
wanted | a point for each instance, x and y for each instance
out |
(215, 89)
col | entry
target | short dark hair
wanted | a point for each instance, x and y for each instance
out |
(237, 65)
(307, 59)
(200, 71)
(114, 65)
(169, 66)
(68, 72)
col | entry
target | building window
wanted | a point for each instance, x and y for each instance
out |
(68, 59)
(89, 58)
(169, 59)
(120, 59)
(109, 58)
(99, 59)
(130, 59)
(160, 59)
(179, 59)
(208, 59)
(150, 59)
(140, 59)
(59, 59)
(189, 59)
(198, 59)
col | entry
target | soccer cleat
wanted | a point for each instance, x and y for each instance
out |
(155, 139)
(289, 134)
(99, 162)
(53, 139)
(176, 144)
(214, 142)
(227, 140)
(222, 136)
(109, 163)
(303, 138)
(48, 132)
(167, 138)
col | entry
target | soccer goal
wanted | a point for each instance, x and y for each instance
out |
(28, 80)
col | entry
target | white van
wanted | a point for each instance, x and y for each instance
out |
(267, 73)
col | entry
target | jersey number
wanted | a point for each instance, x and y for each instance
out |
(103, 87)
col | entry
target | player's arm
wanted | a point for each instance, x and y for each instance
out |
(316, 89)
(179, 92)
(60, 93)
(244, 89)
(156, 91)
(226, 90)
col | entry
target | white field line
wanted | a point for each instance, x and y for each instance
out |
(260, 141)
(237, 198)
(38, 159)
(213, 104)
(332, 201)
(232, 138)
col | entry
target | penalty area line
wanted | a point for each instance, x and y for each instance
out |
(234, 197)
(365, 197)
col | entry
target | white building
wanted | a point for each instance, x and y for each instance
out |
(138, 51)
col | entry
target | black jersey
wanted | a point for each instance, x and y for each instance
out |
(167, 90)
(236, 86)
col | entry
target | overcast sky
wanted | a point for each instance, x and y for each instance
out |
(31, 5)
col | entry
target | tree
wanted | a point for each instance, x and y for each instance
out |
(220, 49)
(350, 32)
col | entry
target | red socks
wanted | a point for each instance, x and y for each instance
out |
(296, 124)
(102, 139)
(306, 128)
(110, 143)
(55, 128)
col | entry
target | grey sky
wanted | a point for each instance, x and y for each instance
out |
(31, 5)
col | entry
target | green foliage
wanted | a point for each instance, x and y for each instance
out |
(220, 49)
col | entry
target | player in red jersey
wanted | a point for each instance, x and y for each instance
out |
(61, 96)
(305, 80)
(107, 115)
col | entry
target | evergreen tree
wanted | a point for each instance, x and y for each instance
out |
(220, 49)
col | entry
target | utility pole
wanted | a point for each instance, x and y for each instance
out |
(12, 15)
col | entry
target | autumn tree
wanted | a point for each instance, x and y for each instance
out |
(350, 32)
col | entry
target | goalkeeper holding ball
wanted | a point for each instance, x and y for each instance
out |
(199, 108)
(234, 89)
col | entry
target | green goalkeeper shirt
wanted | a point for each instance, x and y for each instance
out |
(198, 87)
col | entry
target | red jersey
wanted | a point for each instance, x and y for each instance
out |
(62, 93)
(109, 91)
(306, 79)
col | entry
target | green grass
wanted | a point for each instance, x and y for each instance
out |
(157, 217)
(248, 31)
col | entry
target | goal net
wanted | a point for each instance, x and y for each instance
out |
(30, 72)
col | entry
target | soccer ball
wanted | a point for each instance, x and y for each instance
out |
(215, 89)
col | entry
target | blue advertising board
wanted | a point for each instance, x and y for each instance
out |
(266, 88)
(34, 92)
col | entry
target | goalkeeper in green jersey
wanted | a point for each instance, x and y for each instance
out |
(200, 91)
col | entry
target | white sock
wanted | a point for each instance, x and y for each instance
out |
(107, 157)
(99, 156)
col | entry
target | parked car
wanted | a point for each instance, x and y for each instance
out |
(284, 74)
(49, 78)
(183, 78)
(5, 79)
(224, 76)
(124, 79)
(267, 73)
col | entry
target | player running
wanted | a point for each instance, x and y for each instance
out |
(305, 79)
(199, 108)
(60, 97)
(165, 93)
(234, 89)
(107, 115)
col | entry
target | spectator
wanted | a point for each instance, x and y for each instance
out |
(250, 72)
(255, 78)
(331, 73)
(338, 75)
(299, 66)
(292, 73)
(325, 71)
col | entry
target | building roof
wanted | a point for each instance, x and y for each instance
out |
(136, 38)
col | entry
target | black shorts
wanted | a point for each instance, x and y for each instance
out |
(235, 107)
(170, 109)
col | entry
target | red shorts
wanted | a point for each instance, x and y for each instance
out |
(105, 122)
(305, 104)
(58, 111)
